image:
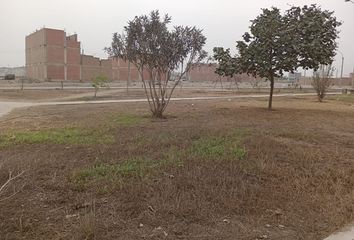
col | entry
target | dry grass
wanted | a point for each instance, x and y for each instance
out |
(136, 92)
(86, 228)
(32, 95)
(211, 170)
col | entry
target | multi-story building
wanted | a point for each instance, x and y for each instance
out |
(52, 56)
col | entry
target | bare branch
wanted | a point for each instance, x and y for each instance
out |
(13, 194)
(9, 180)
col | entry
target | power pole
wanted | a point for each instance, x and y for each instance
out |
(341, 72)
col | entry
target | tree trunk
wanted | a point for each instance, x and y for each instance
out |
(158, 113)
(129, 77)
(271, 92)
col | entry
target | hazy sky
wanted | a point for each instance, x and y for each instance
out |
(223, 21)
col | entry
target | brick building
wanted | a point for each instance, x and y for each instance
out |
(53, 56)
(206, 72)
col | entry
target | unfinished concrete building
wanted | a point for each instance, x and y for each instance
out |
(53, 56)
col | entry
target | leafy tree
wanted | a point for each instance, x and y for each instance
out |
(227, 65)
(301, 38)
(321, 81)
(159, 53)
(99, 82)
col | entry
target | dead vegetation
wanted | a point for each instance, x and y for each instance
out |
(218, 170)
(322, 81)
(10, 180)
(135, 92)
(33, 95)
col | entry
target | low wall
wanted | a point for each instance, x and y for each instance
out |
(336, 81)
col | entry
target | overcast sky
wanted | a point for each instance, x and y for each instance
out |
(223, 21)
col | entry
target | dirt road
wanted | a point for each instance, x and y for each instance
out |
(6, 107)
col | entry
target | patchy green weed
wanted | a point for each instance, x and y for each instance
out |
(128, 119)
(130, 168)
(346, 98)
(227, 146)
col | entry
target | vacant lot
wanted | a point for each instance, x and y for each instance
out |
(87, 94)
(211, 170)
(40, 95)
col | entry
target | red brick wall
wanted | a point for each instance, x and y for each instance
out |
(36, 71)
(55, 40)
(107, 63)
(55, 37)
(35, 55)
(51, 55)
(55, 72)
(206, 72)
(73, 72)
(342, 82)
(106, 68)
(115, 74)
(107, 72)
(203, 73)
(90, 67)
(71, 42)
(123, 68)
(111, 68)
(55, 54)
(336, 81)
(90, 60)
(73, 56)
(88, 73)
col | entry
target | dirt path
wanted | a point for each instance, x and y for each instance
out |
(105, 92)
(346, 233)
(6, 107)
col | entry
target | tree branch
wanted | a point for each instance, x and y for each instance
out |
(9, 180)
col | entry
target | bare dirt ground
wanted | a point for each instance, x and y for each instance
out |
(39, 95)
(210, 170)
